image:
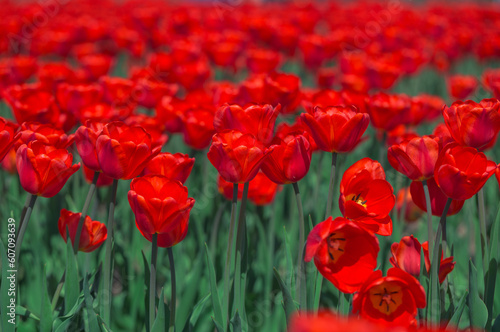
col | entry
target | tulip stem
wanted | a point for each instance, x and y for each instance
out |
(24, 226)
(25, 208)
(152, 280)
(442, 221)
(302, 295)
(482, 223)
(106, 291)
(241, 244)
(228, 255)
(331, 186)
(86, 206)
(429, 215)
(173, 299)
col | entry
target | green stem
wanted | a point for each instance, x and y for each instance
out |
(240, 252)
(106, 294)
(482, 224)
(331, 186)
(429, 216)
(152, 280)
(24, 226)
(302, 298)
(23, 212)
(57, 293)
(228, 255)
(173, 299)
(271, 240)
(442, 221)
(86, 205)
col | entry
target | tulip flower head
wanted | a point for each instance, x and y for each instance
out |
(93, 235)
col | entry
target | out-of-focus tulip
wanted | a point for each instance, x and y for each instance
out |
(43, 170)
(473, 124)
(94, 233)
(336, 129)
(262, 61)
(176, 166)
(415, 158)
(425, 108)
(462, 171)
(198, 128)
(75, 98)
(29, 102)
(388, 111)
(412, 211)
(123, 151)
(85, 141)
(8, 136)
(343, 252)
(161, 206)
(328, 321)
(446, 265)
(261, 190)
(366, 197)
(237, 156)
(391, 300)
(438, 198)
(461, 86)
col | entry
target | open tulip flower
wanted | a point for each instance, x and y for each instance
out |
(176, 166)
(43, 169)
(237, 156)
(254, 119)
(473, 124)
(366, 197)
(337, 128)
(289, 160)
(462, 171)
(390, 300)
(124, 151)
(161, 206)
(94, 233)
(8, 136)
(44, 133)
(437, 196)
(343, 252)
(415, 158)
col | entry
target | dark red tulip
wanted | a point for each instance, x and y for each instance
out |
(102, 181)
(85, 141)
(438, 198)
(93, 235)
(406, 255)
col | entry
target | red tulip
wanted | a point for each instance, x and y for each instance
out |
(336, 129)
(44, 133)
(406, 255)
(446, 265)
(237, 156)
(254, 119)
(123, 151)
(343, 252)
(497, 175)
(22, 68)
(366, 197)
(462, 171)
(391, 300)
(461, 86)
(438, 198)
(149, 92)
(324, 321)
(173, 166)
(85, 141)
(262, 61)
(54, 73)
(118, 91)
(152, 126)
(94, 233)
(198, 128)
(283, 89)
(102, 181)
(388, 111)
(425, 108)
(43, 170)
(473, 124)
(415, 158)
(261, 190)
(8, 136)
(412, 211)
(161, 206)
(75, 98)
(289, 161)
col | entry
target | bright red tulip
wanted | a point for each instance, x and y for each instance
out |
(388, 111)
(438, 198)
(85, 141)
(289, 161)
(94, 233)
(343, 252)
(391, 300)
(75, 98)
(406, 255)
(425, 108)
(254, 119)
(283, 89)
(102, 181)
(261, 190)
(461, 86)
(462, 171)
(44, 133)
(366, 197)
(123, 151)
(8, 136)
(446, 265)
(161, 206)
(473, 124)
(324, 321)
(43, 169)
(337, 128)
(262, 60)
(415, 158)
(176, 166)
(198, 128)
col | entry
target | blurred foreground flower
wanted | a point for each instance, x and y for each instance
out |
(94, 233)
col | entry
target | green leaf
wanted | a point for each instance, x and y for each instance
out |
(489, 293)
(288, 303)
(494, 235)
(45, 306)
(496, 326)
(434, 294)
(4, 289)
(146, 284)
(22, 311)
(213, 291)
(236, 322)
(196, 312)
(477, 309)
(71, 283)
(455, 319)
(290, 282)
(93, 325)
(218, 327)
(159, 323)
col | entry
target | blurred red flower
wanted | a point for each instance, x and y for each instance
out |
(261, 190)
(412, 211)
(387, 111)
(8, 136)
(461, 86)
(94, 233)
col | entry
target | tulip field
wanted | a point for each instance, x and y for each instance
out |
(232, 165)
